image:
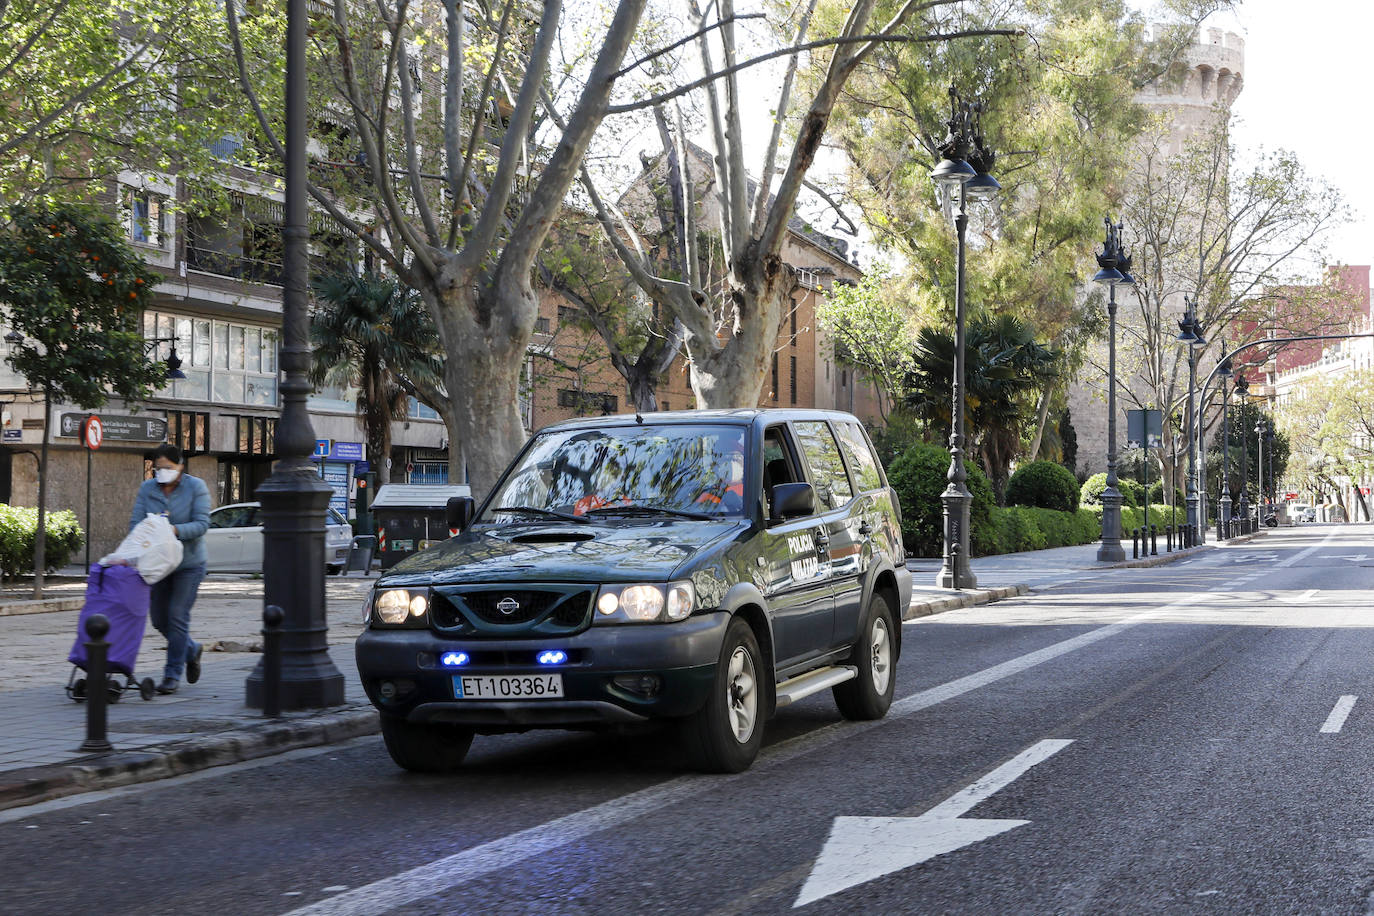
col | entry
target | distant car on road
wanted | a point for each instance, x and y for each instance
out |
(699, 568)
(234, 541)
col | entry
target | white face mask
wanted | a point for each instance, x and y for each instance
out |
(167, 475)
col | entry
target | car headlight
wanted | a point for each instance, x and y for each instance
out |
(397, 606)
(645, 603)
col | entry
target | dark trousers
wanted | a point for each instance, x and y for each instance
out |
(169, 608)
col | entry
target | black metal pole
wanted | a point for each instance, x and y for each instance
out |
(1110, 549)
(1224, 504)
(294, 498)
(88, 510)
(957, 571)
(96, 675)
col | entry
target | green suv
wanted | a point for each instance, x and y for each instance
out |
(703, 567)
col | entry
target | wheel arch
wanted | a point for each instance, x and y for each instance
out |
(747, 603)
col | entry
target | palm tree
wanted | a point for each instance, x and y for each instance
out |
(370, 333)
(1004, 368)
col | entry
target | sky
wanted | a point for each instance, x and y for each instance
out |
(1306, 90)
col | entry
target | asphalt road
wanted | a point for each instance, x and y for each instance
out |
(1192, 737)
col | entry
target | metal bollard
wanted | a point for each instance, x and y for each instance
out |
(96, 676)
(1135, 543)
(272, 616)
(1154, 540)
(1168, 538)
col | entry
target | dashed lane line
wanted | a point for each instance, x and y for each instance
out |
(1336, 720)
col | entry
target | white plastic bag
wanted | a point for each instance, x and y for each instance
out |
(152, 548)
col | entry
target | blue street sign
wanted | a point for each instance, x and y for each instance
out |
(347, 451)
(361, 467)
(322, 448)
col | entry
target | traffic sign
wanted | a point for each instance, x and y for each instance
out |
(1364, 491)
(322, 448)
(92, 432)
(1290, 496)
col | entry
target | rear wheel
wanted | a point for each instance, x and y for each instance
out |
(425, 748)
(725, 735)
(333, 569)
(869, 695)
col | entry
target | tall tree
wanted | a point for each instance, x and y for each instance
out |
(873, 331)
(1330, 423)
(458, 178)
(731, 337)
(75, 293)
(371, 334)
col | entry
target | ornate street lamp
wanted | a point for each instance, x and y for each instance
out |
(1190, 336)
(1259, 472)
(1242, 508)
(294, 498)
(1114, 270)
(964, 171)
(1224, 505)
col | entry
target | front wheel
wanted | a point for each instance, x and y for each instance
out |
(725, 735)
(425, 748)
(869, 695)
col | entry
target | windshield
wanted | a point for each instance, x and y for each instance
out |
(681, 470)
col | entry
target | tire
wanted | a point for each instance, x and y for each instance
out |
(425, 748)
(725, 735)
(113, 689)
(79, 690)
(869, 695)
(146, 688)
(333, 569)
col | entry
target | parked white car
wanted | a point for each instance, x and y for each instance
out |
(234, 541)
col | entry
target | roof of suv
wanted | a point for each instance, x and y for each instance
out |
(738, 415)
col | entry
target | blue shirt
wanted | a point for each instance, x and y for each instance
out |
(187, 508)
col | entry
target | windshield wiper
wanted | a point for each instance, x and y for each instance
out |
(650, 510)
(535, 510)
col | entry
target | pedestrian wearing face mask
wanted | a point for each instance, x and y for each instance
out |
(185, 501)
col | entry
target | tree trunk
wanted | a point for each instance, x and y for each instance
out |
(40, 536)
(732, 374)
(639, 384)
(1042, 415)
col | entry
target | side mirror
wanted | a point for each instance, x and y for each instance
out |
(459, 511)
(793, 500)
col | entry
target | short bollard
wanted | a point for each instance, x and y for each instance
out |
(96, 693)
(272, 617)
(1135, 543)
(1154, 540)
(1168, 538)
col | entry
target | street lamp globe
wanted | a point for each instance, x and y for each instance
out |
(951, 173)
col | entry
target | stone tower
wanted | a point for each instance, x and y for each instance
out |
(1208, 74)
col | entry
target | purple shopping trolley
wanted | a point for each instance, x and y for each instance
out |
(119, 593)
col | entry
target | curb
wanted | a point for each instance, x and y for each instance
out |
(962, 599)
(107, 771)
(40, 606)
(1161, 559)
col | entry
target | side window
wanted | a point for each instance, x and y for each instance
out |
(827, 467)
(777, 464)
(860, 456)
(232, 517)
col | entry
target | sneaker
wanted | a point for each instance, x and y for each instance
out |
(193, 665)
(168, 685)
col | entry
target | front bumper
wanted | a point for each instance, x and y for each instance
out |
(682, 656)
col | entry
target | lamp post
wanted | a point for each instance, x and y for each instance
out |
(1114, 266)
(1259, 471)
(1242, 508)
(1273, 484)
(1190, 336)
(294, 498)
(963, 171)
(1224, 504)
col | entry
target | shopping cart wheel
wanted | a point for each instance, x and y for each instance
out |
(146, 688)
(79, 690)
(113, 690)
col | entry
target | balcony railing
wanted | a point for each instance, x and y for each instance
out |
(228, 264)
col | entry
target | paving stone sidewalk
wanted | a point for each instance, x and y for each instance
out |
(207, 724)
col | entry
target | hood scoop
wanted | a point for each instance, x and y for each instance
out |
(554, 536)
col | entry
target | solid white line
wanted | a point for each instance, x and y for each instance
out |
(88, 798)
(1336, 721)
(1308, 551)
(470, 864)
(998, 779)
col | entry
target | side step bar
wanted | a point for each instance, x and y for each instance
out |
(804, 685)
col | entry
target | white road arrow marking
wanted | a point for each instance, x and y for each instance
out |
(1336, 721)
(1255, 558)
(1356, 557)
(860, 849)
(1306, 597)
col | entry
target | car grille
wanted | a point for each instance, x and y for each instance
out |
(481, 610)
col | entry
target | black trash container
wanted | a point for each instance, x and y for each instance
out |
(411, 517)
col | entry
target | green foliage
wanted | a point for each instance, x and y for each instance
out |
(1044, 484)
(76, 292)
(1132, 493)
(919, 476)
(1004, 368)
(18, 529)
(872, 329)
(1068, 439)
(1157, 493)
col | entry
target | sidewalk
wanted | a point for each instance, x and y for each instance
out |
(207, 724)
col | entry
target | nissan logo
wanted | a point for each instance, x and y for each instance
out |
(508, 606)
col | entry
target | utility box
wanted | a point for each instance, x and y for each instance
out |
(411, 517)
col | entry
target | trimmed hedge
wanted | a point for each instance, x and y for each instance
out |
(1157, 493)
(919, 477)
(1020, 528)
(1045, 485)
(1132, 493)
(18, 527)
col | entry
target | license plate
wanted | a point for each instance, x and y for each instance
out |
(507, 687)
